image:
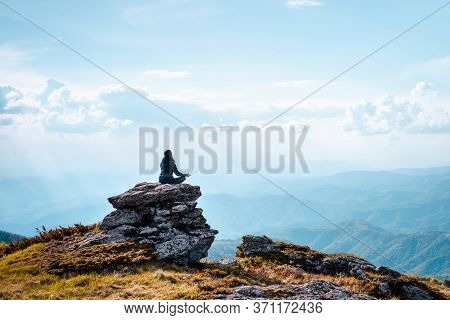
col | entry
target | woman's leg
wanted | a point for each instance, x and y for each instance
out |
(166, 180)
(178, 180)
(171, 180)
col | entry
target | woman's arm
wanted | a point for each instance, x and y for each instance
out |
(175, 170)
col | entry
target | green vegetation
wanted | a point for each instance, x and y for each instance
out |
(7, 237)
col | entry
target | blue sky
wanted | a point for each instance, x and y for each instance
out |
(216, 62)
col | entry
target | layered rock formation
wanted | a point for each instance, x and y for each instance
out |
(161, 215)
(387, 283)
(310, 260)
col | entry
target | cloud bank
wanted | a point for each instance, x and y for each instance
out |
(55, 109)
(116, 109)
(419, 112)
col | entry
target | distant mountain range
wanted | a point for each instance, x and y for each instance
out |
(397, 202)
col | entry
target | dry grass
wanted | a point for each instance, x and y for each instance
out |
(54, 268)
(60, 258)
(22, 276)
(44, 235)
(441, 286)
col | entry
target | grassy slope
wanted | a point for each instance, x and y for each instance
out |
(51, 269)
(22, 277)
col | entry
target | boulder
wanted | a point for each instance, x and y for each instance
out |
(151, 194)
(255, 245)
(160, 215)
(121, 217)
(345, 264)
(313, 290)
(309, 260)
(413, 292)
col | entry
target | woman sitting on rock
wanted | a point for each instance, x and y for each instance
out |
(168, 168)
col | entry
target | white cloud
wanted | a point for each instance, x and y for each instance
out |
(382, 116)
(295, 84)
(54, 109)
(112, 108)
(168, 74)
(14, 101)
(302, 3)
(418, 112)
(116, 108)
(114, 123)
(59, 97)
(423, 89)
(13, 55)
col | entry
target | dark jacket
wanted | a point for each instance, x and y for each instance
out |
(169, 167)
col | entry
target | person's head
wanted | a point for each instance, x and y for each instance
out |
(168, 153)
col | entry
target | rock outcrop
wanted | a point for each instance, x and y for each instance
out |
(314, 290)
(388, 283)
(161, 215)
(310, 260)
(255, 245)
